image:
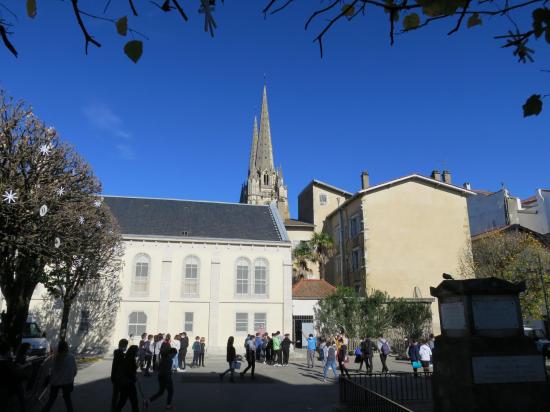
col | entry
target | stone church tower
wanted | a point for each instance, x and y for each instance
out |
(265, 184)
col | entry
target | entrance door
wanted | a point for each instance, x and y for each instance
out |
(303, 325)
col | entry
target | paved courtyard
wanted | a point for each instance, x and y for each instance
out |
(292, 388)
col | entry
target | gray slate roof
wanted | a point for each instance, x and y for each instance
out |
(185, 218)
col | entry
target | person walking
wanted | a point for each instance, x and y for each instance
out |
(141, 351)
(165, 378)
(231, 356)
(116, 371)
(62, 368)
(343, 358)
(425, 356)
(366, 354)
(285, 348)
(184, 344)
(384, 350)
(413, 353)
(250, 357)
(330, 360)
(128, 380)
(196, 351)
(202, 352)
(311, 348)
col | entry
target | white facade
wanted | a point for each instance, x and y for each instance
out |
(212, 289)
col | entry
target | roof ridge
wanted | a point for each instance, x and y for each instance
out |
(182, 200)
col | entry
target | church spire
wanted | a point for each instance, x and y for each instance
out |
(252, 161)
(264, 151)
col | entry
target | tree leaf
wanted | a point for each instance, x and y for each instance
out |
(134, 50)
(348, 10)
(474, 20)
(122, 26)
(31, 8)
(533, 106)
(411, 21)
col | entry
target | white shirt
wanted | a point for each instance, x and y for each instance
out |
(425, 353)
(175, 344)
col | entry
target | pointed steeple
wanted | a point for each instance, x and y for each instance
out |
(252, 161)
(264, 151)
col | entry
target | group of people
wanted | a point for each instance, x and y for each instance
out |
(271, 350)
(420, 353)
(150, 348)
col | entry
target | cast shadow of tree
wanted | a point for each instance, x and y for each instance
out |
(91, 321)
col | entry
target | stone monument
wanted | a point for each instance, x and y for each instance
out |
(482, 359)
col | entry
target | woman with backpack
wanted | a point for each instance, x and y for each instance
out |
(231, 358)
(384, 349)
(128, 379)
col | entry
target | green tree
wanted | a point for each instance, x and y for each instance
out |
(42, 181)
(411, 319)
(322, 248)
(301, 257)
(515, 257)
(374, 316)
(338, 311)
(401, 15)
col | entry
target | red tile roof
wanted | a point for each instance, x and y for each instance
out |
(312, 289)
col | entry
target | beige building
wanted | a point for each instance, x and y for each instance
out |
(398, 236)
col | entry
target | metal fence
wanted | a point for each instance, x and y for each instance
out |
(357, 397)
(398, 386)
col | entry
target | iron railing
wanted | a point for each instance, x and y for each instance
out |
(357, 397)
(398, 386)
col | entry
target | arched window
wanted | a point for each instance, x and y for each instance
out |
(243, 274)
(266, 179)
(191, 272)
(140, 282)
(137, 323)
(261, 271)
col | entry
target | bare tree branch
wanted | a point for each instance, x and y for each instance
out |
(134, 11)
(6, 41)
(87, 38)
(459, 22)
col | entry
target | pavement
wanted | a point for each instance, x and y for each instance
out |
(291, 388)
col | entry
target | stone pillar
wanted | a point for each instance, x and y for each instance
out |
(164, 295)
(214, 310)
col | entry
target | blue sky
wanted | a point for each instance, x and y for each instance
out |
(179, 123)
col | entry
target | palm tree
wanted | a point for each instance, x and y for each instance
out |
(322, 249)
(301, 256)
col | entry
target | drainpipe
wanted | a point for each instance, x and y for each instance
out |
(340, 243)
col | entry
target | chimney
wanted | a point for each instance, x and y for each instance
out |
(447, 176)
(436, 175)
(364, 180)
(467, 186)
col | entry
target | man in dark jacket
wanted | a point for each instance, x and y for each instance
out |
(366, 354)
(184, 344)
(285, 346)
(116, 371)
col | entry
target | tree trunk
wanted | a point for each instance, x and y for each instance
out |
(67, 303)
(15, 317)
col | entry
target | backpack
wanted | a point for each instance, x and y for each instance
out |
(331, 353)
(385, 349)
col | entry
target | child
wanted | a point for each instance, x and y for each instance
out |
(196, 351)
(203, 350)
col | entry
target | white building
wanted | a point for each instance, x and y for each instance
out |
(210, 269)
